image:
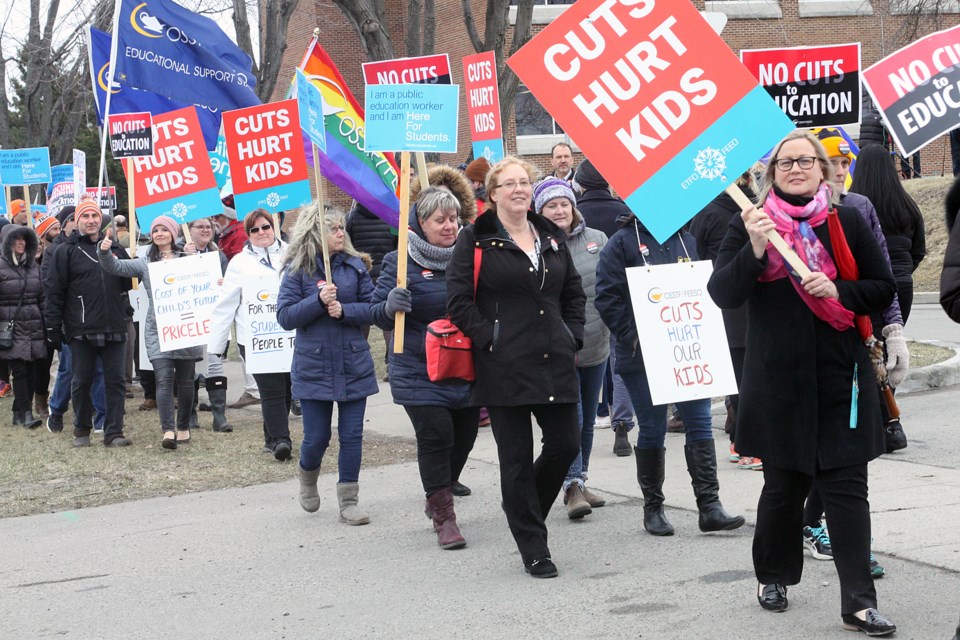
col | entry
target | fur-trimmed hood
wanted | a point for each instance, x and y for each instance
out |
(444, 176)
(12, 232)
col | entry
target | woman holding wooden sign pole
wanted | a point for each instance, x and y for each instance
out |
(808, 403)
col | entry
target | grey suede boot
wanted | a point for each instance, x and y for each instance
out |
(309, 497)
(349, 511)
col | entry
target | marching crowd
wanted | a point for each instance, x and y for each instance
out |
(534, 272)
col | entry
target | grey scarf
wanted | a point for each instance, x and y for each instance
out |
(428, 255)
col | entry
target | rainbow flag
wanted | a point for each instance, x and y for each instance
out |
(372, 179)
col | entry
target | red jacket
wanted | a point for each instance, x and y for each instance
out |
(232, 239)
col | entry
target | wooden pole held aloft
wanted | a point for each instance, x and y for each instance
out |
(400, 319)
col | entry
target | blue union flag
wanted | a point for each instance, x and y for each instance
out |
(166, 49)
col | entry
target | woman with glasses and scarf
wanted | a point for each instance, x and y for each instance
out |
(445, 424)
(808, 399)
(262, 255)
(332, 362)
(177, 367)
(525, 320)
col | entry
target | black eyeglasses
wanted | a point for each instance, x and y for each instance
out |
(261, 228)
(805, 162)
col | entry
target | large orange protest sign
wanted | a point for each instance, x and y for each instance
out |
(655, 98)
(176, 180)
(917, 90)
(267, 164)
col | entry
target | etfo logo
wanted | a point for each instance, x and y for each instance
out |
(150, 27)
(655, 295)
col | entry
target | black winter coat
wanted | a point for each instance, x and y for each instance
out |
(370, 234)
(82, 297)
(709, 227)
(795, 397)
(950, 275)
(600, 210)
(527, 323)
(29, 340)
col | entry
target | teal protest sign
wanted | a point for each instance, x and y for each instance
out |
(412, 117)
(24, 166)
(310, 101)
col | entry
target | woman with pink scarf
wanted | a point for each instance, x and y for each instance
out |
(808, 399)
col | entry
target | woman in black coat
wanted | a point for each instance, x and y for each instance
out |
(21, 300)
(526, 322)
(809, 405)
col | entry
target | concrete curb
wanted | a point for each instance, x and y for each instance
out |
(926, 297)
(941, 374)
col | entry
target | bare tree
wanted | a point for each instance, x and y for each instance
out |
(274, 18)
(494, 39)
(421, 27)
(369, 19)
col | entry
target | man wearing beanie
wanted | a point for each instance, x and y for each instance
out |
(476, 173)
(232, 236)
(86, 308)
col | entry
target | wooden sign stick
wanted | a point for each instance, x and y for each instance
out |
(779, 243)
(26, 201)
(321, 202)
(422, 170)
(400, 319)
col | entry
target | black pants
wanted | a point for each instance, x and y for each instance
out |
(84, 356)
(41, 367)
(778, 542)
(529, 487)
(275, 401)
(737, 354)
(445, 438)
(24, 383)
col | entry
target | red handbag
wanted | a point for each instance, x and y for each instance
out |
(449, 351)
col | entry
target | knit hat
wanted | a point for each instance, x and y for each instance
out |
(167, 223)
(552, 188)
(66, 214)
(588, 177)
(478, 169)
(834, 142)
(87, 205)
(16, 206)
(42, 222)
(229, 212)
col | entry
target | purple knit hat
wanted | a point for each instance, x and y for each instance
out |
(549, 189)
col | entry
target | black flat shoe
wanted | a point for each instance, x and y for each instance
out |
(460, 489)
(541, 568)
(773, 597)
(874, 625)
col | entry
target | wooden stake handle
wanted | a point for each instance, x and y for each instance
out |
(321, 206)
(421, 170)
(399, 322)
(26, 201)
(778, 243)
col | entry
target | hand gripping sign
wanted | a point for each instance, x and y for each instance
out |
(655, 99)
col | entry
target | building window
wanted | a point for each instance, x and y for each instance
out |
(532, 119)
(745, 9)
(515, 2)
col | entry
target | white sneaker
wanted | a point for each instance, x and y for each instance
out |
(602, 422)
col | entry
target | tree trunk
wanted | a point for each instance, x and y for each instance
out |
(429, 27)
(274, 18)
(368, 20)
(414, 17)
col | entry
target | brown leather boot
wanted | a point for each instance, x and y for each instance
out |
(445, 520)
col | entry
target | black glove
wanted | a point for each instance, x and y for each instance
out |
(398, 300)
(54, 338)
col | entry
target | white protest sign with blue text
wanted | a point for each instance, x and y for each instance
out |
(185, 291)
(269, 346)
(412, 117)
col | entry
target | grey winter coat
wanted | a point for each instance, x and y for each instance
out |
(585, 245)
(140, 268)
(29, 341)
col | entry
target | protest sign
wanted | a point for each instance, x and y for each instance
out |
(310, 103)
(412, 117)
(176, 180)
(24, 166)
(106, 197)
(682, 338)
(60, 173)
(814, 86)
(185, 291)
(483, 105)
(131, 134)
(79, 174)
(917, 90)
(657, 101)
(269, 346)
(219, 162)
(432, 69)
(267, 165)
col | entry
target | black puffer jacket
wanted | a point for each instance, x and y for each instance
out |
(370, 234)
(29, 342)
(871, 126)
(81, 297)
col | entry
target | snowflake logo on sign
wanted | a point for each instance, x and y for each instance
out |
(179, 211)
(710, 163)
(273, 199)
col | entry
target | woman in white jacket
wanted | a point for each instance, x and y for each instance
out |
(262, 254)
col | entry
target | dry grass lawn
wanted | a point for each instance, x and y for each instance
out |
(929, 194)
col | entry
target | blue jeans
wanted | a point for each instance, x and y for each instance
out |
(620, 404)
(60, 398)
(591, 379)
(652, 419)
(317, 419)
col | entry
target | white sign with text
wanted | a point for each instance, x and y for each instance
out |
(185, 291)
(269, 346)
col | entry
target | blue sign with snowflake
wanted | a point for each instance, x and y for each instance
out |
(283, 197)
(185, 208)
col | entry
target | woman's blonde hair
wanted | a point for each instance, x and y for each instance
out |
(796, 134)
(493, 177)
(305, 248)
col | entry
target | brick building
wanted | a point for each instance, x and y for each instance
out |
(881, 26)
